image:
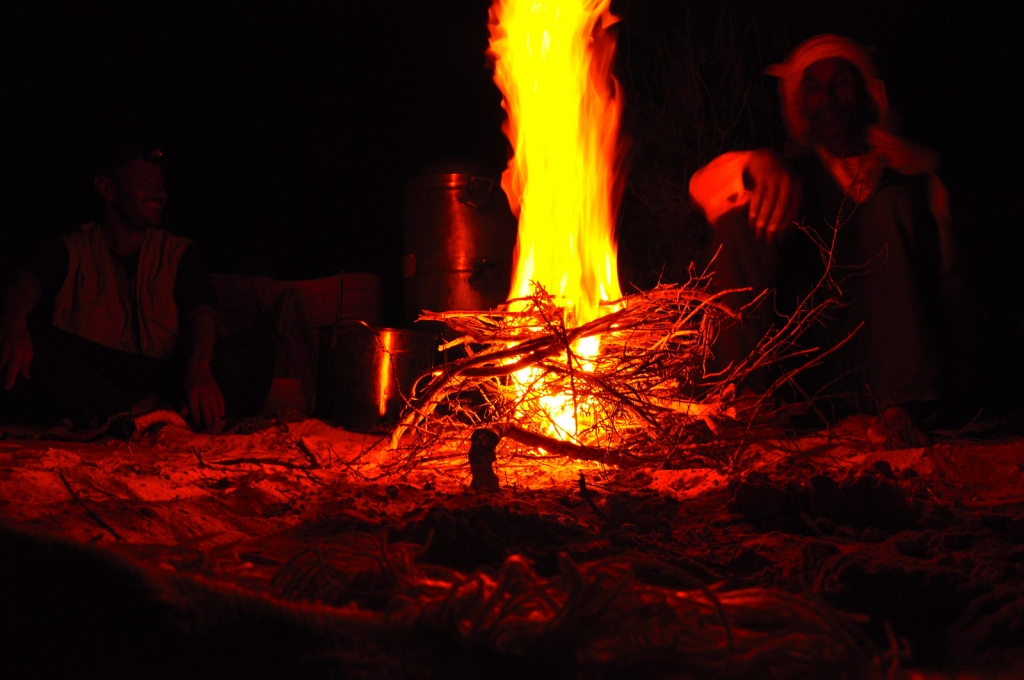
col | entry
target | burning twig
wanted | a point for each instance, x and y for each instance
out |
(563, 448)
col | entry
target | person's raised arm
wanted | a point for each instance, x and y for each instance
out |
(15, 341)
(759, 178)
(718, 187)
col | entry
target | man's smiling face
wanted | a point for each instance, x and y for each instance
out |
(139, 193)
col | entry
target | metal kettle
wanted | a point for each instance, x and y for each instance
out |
(458, 235)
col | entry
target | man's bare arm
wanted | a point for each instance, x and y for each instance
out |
(718, 187)
(16, 349)
(760, 179)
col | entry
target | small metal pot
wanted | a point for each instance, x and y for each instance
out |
(370, 373)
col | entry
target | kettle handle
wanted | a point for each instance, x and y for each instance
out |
(477, 193)
(356, 322)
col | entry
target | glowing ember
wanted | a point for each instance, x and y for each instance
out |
(552, 62)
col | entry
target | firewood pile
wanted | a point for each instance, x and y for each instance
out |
(645, 399)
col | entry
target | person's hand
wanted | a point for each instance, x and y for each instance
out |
(775, 194)
(15, 351)
(204, 400)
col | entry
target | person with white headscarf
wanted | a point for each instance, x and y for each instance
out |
(843, 167)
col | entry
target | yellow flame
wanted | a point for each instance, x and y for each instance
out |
(553, 63)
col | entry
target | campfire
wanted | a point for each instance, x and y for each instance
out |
(569, 366)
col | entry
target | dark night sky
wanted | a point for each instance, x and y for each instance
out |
(289, 127)
(286, 131)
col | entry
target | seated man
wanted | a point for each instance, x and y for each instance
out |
(844, 169)
(120, 316)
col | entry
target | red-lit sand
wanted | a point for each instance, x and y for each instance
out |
(926, 544)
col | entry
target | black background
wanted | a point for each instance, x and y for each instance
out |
(289, 128)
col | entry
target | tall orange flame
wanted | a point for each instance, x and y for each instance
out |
(552, 62)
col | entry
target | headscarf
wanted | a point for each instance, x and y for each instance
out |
(791, 72)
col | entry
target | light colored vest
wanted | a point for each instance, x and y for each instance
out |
(94, 302)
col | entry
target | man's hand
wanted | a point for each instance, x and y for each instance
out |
(775, 194)
(205, 402)
(15, 350)
(204, 399)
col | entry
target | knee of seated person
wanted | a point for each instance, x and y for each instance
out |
(734, 224)
(733, 233)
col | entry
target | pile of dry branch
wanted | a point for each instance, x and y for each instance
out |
(645, 399)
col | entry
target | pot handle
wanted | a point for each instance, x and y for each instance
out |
(477, 193)
(356, 322)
